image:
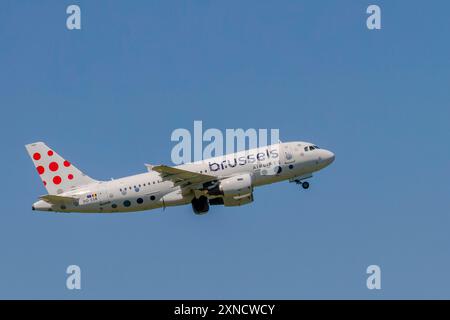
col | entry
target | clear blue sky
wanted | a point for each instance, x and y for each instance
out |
(108, 97)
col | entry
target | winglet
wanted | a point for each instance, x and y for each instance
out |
(149, 166)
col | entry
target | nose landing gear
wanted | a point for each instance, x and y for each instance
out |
(304, 184)
(301, 180)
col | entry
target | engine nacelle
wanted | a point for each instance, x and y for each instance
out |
(233, 186)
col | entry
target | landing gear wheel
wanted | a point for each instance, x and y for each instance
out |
(200, 205)
(305, 185)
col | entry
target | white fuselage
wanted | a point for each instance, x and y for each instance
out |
(145, 191)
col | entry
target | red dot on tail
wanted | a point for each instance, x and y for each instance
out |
(36, 156)
(57, 179)
(45, 183)
(70, 176)
(66, 163)
(40, 169)
(50, 153)
(53, 166)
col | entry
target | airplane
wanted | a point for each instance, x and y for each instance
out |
(226, 180)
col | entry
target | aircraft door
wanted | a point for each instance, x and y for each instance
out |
(103, 197)
(287, 153)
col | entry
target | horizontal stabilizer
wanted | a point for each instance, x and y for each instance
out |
(54, 199)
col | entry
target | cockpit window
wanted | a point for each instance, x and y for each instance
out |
(310, 148)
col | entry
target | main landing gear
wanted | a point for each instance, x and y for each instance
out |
(200, 205)
(304, 184)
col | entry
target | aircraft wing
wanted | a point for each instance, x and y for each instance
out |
(181, 177)
(54, 199)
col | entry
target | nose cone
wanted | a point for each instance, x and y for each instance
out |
(328, 157)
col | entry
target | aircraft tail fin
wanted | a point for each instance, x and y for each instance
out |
(57, 173)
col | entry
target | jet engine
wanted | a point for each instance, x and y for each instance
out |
(238, 185)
